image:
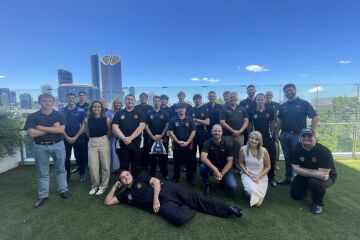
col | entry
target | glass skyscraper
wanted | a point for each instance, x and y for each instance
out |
(64, 76)
(111, 78)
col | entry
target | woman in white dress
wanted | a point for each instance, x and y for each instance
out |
(254, 164)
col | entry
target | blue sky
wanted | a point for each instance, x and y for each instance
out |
(166, 43)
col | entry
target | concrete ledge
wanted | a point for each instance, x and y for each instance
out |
(9, 162)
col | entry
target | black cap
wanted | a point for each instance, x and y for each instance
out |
(308, 131)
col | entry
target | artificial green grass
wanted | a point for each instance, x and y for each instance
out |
(85, 217)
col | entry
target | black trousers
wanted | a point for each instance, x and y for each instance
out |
(269, 144)
(145, 151)
(300, 185)
(178, 205)
(161, 159)
(184, 155)
(80, 152)
(130, 155)
(198, 144)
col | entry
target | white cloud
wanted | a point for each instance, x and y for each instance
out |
(315, 89)
(2, 77)
(344, 62)
(205, 79)
(212, 80)
(256, 68)
(195, 79)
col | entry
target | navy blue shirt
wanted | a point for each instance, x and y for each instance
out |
(274, 106)
(214, 114)
(74, 119)
(293, 115)
(262, 121)
(217, 153)
(182, 129)
(202, 114)
(144, 108)
(249, 104)
(233, 117)
(157, 121)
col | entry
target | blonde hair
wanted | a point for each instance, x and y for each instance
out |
(258, 147)
(113, 104)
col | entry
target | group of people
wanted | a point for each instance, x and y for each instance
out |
(227, 136)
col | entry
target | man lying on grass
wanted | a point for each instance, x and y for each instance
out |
(171, 201)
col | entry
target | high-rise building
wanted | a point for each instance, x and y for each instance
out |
(64, 76)
(26, 101)
(46, 89)
(13, 98)
(4, 97)
(95, 76)
(132, 90)
(91, 91)
(111, 78)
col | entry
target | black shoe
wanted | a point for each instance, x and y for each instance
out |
(316, 209)
(82, 178)
(174, 180)
(65, 195)
(75, 170)
(236, 211)
(272, 182)
(207, 192)
(192, 182)
(284, 181)
(39, 202)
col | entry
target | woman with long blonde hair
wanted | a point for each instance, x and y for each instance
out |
(254, 162)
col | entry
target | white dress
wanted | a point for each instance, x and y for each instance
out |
(255, 166)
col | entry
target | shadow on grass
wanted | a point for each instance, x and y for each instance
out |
(85, 217)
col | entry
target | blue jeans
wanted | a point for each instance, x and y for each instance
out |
(42, 155)
(288, 141)
(228, 181)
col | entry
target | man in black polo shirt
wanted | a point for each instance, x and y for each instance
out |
(213, 110)
(144, 107)
(292, 117)
(174, 108)
(262, 120)
(127, 126)
(46, 127)
(226, 97)
(274, 106)
(182, 131)
(201, 119)
(171, 201)
(314, 165)
(82, 101)
(234, 121)
(74, 117)
(249, 104)
(217, 160)
(157, 123)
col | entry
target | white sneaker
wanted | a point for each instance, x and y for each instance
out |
(100, 191)
(93, 191)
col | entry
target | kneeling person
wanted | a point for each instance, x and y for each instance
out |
(217, 160)
(314, 165)
(171, 201)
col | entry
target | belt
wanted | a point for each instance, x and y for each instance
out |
(48, 143)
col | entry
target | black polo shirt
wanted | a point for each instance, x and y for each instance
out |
(182, 129)
(217, 153)
(144, 108)
(140, 194)
(293, 115)
(214, 114)
(175, 109)
(157, 121)
(128, 122)
(85, 106)
(249, 104)
(274, 106)
(318, 157)
(233, 117)
(168, 110)
(202, 114)
(261, 121)
(74, 119)
(38, 118)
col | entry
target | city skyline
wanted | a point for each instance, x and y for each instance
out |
(190, 43)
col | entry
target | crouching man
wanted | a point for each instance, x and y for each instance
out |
(171, 201)
(314, 165)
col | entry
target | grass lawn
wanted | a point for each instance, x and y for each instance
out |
(85, 217)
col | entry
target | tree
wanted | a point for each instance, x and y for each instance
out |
(10, 135)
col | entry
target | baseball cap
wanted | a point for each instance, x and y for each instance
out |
(308, 131)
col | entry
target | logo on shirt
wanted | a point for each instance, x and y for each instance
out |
(187, 124)
(267, 115)
(122, 117)
(301, 159)
(193, 115)
(176, 124)
(161, 116)
(136, 116)
(139, 185)
(151, 117)
(313, 159)
(129, 197)
(255, 116)
(202, 114)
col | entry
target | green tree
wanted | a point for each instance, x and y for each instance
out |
(10, 135)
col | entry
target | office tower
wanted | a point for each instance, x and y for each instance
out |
(95, 76)
(132, 90)
(12, 98)
(111, 78)
(26, 101)
(64, 76)
(4, 97)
